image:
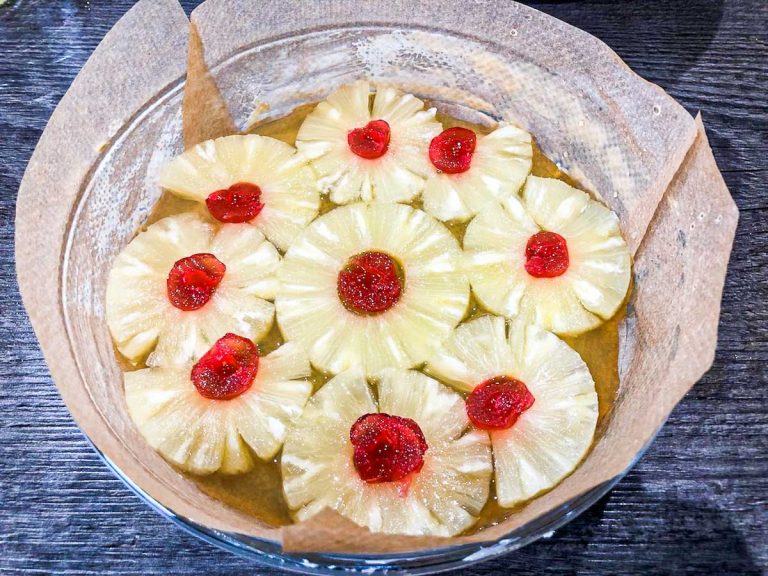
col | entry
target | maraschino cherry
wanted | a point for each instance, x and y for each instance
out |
(369, 283)
(193, 280)
(546, 255)
(371, 141)
(496, 404)
(227, 369)
(387, 448)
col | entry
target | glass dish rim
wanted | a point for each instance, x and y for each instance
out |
(430, 561)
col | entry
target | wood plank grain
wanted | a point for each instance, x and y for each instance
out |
(696, 503)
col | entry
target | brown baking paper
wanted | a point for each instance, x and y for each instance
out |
(621, 137)
(204, 112)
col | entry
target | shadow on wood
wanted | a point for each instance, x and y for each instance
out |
(666, 33)
(665, 535)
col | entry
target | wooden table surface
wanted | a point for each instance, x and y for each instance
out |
(696, 503)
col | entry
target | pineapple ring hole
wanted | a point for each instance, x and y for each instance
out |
(193, 280)
(370, 283)
(546, 255)
(239, 203)
(371, 141)
(387, 448)
(227, 369)
(497, 403)
(451, 151)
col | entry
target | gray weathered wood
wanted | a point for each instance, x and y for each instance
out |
(697, 502)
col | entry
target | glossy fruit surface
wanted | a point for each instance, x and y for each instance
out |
(239, 203)
(227, 369)
(193, 280)
(387, 448)
(371, 141)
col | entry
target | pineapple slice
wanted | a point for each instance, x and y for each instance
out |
(364, 152)
(373, 286)
(470, 171)
(203, 434)
(140, 310)
(549, 421)
(447, 480)
(557, 259)
(248, 178)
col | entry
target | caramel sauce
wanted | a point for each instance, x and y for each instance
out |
(259, 491)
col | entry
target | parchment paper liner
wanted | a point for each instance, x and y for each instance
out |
(92, 181)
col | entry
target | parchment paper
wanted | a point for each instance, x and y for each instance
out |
(622, 138)
(204, 112)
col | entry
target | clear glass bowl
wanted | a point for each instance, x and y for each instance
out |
(121, 191)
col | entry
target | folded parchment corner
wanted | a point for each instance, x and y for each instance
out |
(205, 114)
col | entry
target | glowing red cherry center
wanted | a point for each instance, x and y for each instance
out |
(369, 283)
(241, 202)
(371, 141)
(387, 448)
(451, 151)
(227, 369)
(193, 280)
(496, 404)
(546, 255)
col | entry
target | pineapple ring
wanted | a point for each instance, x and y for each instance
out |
(500, 164)
(287, 184)
(141, 317)
(201, 435)
(442, 499)
(597, 278)
(398, 174)
(550, 438)
(434, 298)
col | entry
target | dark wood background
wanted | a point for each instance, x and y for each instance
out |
(696, 503)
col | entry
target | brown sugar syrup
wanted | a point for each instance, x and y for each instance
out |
(259, 491)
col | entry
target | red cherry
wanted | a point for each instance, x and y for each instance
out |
(369, 283)
(371, 141)
(451, 151)
(193, 280)
(227, 369)
(241, 202)
(546, 255)
(496, 404)
(386, 448)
